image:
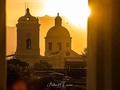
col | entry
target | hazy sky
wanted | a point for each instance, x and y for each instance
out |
(75, 11)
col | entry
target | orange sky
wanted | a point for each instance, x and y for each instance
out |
(77, 20)
(75, 10)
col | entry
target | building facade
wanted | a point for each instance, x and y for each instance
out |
(57, 42)
(58, 45)
(28, 38)
(57, 38)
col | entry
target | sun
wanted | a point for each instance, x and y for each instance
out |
(76, 11)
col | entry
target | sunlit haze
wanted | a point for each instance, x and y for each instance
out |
(75, 12)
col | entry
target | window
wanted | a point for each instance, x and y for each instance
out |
(28, 44)
(27, 18)
(67, 44)
(50, 45)
(59, 44)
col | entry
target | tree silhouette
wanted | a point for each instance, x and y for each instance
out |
(42, 65)
(84, 54)
(17, 71)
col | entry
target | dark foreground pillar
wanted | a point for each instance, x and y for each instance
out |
(104, 45)
(2, 46)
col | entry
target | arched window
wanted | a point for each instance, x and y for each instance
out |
(28, 44)
(50, 45)
(67, 44)
(59, 44)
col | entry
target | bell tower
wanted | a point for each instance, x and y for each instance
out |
(28, 38)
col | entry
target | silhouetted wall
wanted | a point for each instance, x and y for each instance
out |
(2, 46)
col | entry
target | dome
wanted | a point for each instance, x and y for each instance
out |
(28, 17)
(58, 31)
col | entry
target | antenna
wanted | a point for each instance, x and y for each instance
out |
(27, 4)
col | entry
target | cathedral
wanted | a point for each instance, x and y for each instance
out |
(58, 45)
(57, 42)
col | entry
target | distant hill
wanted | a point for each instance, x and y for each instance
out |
(79, 36)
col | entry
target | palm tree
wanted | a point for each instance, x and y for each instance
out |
(84, 54)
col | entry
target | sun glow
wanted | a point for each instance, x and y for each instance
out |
(76, 11)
